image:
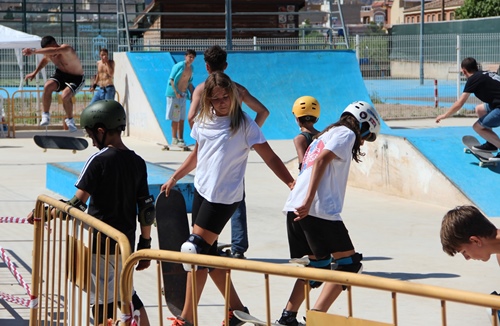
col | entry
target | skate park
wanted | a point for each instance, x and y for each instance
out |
(427, 164)
(410, 178)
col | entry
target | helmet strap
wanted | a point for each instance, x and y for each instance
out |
(100, 143)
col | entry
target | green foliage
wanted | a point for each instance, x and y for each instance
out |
(478, 9)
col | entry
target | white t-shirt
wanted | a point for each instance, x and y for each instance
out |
(222, 157)
(329, 198)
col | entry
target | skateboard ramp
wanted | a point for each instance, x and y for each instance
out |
(277, 79)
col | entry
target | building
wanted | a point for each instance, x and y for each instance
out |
(434, 11)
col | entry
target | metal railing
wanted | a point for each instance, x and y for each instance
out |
(65, 259)
(23, 109)
(63, 262)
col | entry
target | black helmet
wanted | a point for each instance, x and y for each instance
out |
(106, 113)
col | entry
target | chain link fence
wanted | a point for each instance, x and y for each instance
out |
(397, 83)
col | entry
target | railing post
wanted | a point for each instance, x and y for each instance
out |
(229, 26)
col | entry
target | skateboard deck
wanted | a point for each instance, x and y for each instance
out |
(61, 142)
(165, 147)
(173, 231)
(247, 318)
(483, 157)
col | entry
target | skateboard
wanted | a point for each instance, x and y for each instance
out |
(61, 142)
(173, 231)
(247, 318)
(165, 147)
(483, 157)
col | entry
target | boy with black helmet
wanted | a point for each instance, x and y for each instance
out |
(313, 208)
(306, 110)
(115, 179)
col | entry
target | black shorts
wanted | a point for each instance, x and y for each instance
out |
(63, 80)
(316, 236)
(211, 216)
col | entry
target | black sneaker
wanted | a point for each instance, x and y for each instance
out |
(486, 147)
(237, 254)
(289, 318)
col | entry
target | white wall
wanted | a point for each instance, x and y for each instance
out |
(142, 123)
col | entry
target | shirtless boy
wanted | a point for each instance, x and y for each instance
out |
(104, 78)
(68, 78)
(179, 82)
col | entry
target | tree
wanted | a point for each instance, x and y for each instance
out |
(478, 9)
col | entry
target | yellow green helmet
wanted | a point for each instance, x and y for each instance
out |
(306, 106)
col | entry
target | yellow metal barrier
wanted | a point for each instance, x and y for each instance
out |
(26, 107)
(314, 318)
(64, 259)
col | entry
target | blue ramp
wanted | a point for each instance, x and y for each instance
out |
(444, 149)
(277, 79)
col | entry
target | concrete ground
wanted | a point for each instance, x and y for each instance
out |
(399, 239)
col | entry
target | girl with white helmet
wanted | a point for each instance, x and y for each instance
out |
(313, 208)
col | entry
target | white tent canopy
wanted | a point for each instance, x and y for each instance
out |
(16, 40)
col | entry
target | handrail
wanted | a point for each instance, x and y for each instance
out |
(349, 279)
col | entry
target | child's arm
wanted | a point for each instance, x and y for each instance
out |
(300, 143)
(254, 104)
(318, 170)
(274, 163)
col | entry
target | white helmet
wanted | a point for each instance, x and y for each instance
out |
(368, 117)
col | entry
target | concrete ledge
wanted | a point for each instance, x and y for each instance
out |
(393, 166)
(61, 178)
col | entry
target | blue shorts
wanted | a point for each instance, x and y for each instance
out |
(104, 93)
(491, 119)
(176, 108)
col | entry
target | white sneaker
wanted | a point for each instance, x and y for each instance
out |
(45, 119)
(71, 124)
(181, 143)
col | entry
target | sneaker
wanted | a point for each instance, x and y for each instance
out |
(181, 143)
(289, 318)
(179, 321)
(237, 254)
(45, 119)
(486, 147)
(70, 122)
(495, 158)
(233, 321)
(175, 141)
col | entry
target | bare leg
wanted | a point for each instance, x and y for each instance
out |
(480, 110)
(144, 317)
(49, 87)
(180, 129)
(175, 127)
(487, 134)
(219, 278)
(201, 279)
(328, 295)
(67, 98)
(296, 297)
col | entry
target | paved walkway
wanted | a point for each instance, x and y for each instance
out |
(399, 239)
